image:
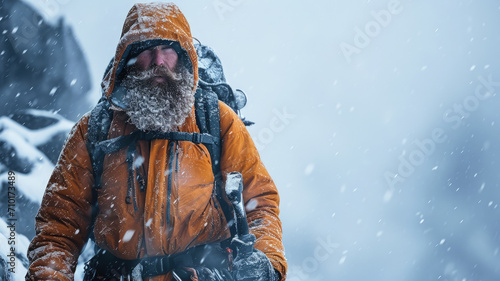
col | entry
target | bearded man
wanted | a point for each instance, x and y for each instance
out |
(169, 89)
(157, 208)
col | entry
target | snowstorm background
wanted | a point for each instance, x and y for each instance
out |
(378, 121)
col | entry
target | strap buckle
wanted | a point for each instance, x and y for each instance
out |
(153, 266)
(205, 139)
(164, 264)
(197, 138)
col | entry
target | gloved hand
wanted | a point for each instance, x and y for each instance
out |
(254, 266)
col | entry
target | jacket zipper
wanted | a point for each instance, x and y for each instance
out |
(171, 152)
(177, 160)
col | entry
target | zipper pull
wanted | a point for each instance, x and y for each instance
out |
(142, 181)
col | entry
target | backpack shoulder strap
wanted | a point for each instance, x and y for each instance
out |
(208, 121)
(98, 127)
(97, 130)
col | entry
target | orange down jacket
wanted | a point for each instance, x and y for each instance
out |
(62, 223)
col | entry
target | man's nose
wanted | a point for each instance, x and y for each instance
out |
(158, 58)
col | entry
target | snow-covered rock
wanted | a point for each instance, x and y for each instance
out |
(41, 64)
(45, 81)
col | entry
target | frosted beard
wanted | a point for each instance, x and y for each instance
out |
(159, 106)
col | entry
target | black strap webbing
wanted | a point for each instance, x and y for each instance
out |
(205, 255)
(208, 121)
(98, 127)
(115, 144)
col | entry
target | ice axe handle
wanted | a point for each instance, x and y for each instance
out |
(234, 189)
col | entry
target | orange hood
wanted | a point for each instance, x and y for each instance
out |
(146, 25)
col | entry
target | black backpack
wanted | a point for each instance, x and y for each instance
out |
(212, 87)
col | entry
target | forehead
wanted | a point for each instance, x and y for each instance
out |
(159, 47)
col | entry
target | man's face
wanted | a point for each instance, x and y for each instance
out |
(159, 90)
(162, 55)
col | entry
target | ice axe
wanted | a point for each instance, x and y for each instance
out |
(243, 241)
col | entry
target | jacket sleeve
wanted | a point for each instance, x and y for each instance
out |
(260, 194)
(62, 222)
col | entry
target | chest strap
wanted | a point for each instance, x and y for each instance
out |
(130, 141)
(116, 144)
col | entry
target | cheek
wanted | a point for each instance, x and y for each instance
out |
(171, 60)
(143, 61)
